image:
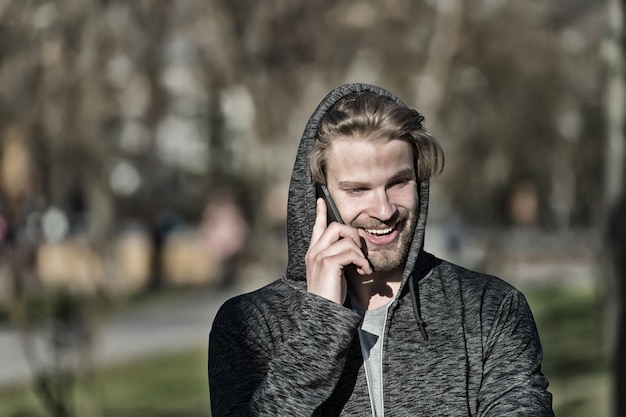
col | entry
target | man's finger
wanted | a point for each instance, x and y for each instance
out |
(320, 221)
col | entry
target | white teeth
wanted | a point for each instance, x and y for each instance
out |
(379, 232)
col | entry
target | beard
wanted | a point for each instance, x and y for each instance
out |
(394, 255)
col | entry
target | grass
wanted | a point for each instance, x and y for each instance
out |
(569, 325)
(169, 386)
(175, 385)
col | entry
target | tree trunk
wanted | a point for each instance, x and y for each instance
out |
(444, 43)
(614, 204)
(617, 242)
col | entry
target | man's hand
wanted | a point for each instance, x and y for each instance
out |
(332, 248)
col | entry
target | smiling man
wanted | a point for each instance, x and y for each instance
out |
(365, 322)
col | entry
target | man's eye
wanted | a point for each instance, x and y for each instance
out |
(400, 182)
(356, 190)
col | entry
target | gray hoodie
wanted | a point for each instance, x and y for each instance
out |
(456, 342)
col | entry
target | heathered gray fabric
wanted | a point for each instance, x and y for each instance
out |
(280, 351)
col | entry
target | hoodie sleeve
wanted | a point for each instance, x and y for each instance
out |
(513, 384)
(259, 368)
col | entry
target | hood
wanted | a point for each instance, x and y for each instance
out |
(301, 201)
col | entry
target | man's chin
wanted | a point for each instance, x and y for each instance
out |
(382, 263)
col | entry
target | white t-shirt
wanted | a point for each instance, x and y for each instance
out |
(371, 332)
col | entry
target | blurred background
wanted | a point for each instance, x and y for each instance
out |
(146, 148)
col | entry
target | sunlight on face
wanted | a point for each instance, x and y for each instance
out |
(374, 186)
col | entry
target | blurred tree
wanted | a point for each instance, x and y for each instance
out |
(615, 194)
(55, 91)
(59, 334)
(117, 73)
(135, 111)
(514, 113)
(442, 48)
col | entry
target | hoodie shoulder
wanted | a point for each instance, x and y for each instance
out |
(485, 302)
(276, 295)
(475, 283)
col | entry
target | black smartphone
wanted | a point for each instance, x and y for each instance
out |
(333, 214)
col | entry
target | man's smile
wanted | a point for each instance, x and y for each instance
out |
(381, 236)
(379, 232)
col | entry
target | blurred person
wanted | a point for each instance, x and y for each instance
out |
(365, 322)
(224, 230)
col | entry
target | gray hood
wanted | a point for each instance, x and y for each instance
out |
(301, 202)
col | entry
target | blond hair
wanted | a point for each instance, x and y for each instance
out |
(374, 117)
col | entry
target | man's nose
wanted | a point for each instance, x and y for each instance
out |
(382, 208)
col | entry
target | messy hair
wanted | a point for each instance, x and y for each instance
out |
(374, 117)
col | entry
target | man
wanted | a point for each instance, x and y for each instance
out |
(365, 322)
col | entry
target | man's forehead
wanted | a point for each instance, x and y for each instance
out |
(359, 161)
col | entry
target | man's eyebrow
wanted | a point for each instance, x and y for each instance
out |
(348, 185)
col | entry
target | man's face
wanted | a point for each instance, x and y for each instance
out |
(374, 186)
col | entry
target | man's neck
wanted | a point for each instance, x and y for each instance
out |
(375, 290)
